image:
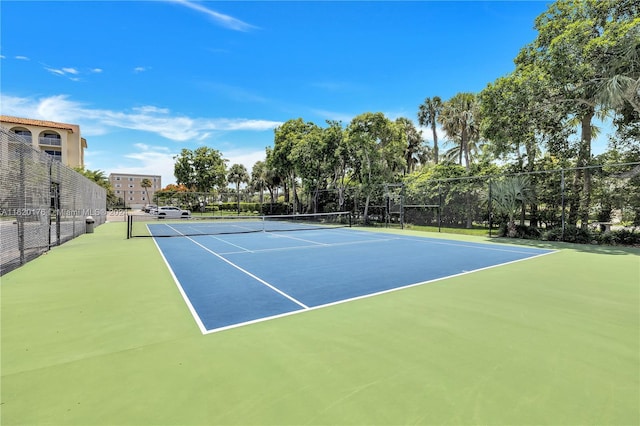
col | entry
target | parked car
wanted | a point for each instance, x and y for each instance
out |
(149, 208)
(171, 212)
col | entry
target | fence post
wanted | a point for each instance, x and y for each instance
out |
(489, 211)
(439, 209)
(562, 194)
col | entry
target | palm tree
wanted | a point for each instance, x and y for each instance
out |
(509, 196)
(414, 151)
(455, 153)
(259, 179)
(146, 184)
(460, 119)
(238, 175)
(428, 114)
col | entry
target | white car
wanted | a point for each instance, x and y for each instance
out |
(171, 212)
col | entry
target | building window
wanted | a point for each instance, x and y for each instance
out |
(26, 134)
(130, 186)
(117, 177)
(130, 179)
(57, 155)
(50, 138)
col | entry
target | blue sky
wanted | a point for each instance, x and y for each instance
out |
(146, 79)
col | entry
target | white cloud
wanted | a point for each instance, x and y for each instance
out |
(22, 58)
(151, 160)
(139, 69)
(66, 71)
(55, 71)
(96, 70)
(219, 18)
(150, 109)
(148, 118)
(245, 157)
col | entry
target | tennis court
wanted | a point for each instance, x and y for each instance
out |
(96, 332)
(230, 279)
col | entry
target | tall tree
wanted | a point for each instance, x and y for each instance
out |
(312, 160)
(238, 175)
(274, 178)
(200, 170)
(428, 114)
(146, 184)
(460, 119)
(620, 49)
(283, 157)
(573, 38)
(414, 152)
(259, 178)
(378, 152)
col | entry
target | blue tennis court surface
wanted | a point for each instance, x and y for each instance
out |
(236, 279)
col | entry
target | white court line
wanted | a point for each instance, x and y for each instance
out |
(365, 296)
(260, 280)
(480, 246)
(244, 250)
(204, 330)
(194, 314)
(300, 239)
(429, 240)
(315, 246)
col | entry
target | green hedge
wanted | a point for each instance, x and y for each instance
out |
(244, 207)
(574, 234)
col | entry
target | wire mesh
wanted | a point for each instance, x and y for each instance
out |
(43, 203)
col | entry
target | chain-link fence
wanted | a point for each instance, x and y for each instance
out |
(561, 200)
(43, 203)
(558, 200)
(564, 199)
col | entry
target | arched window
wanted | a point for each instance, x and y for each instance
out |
(26, 134)
(50, 138)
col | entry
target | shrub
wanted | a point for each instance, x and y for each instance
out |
(275, 208)
(244, 207)
(521, 231)
(528, 232)
(625, 237)
(572, 234)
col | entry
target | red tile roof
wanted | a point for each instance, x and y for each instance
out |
(40, 123)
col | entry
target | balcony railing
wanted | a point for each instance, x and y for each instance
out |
(43, 140)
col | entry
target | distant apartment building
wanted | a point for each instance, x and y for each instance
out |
(128, 187)
(63, 142)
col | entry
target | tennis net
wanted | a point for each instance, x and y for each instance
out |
(151, 226)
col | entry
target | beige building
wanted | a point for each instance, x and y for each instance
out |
(61, 141)
(128, 187)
